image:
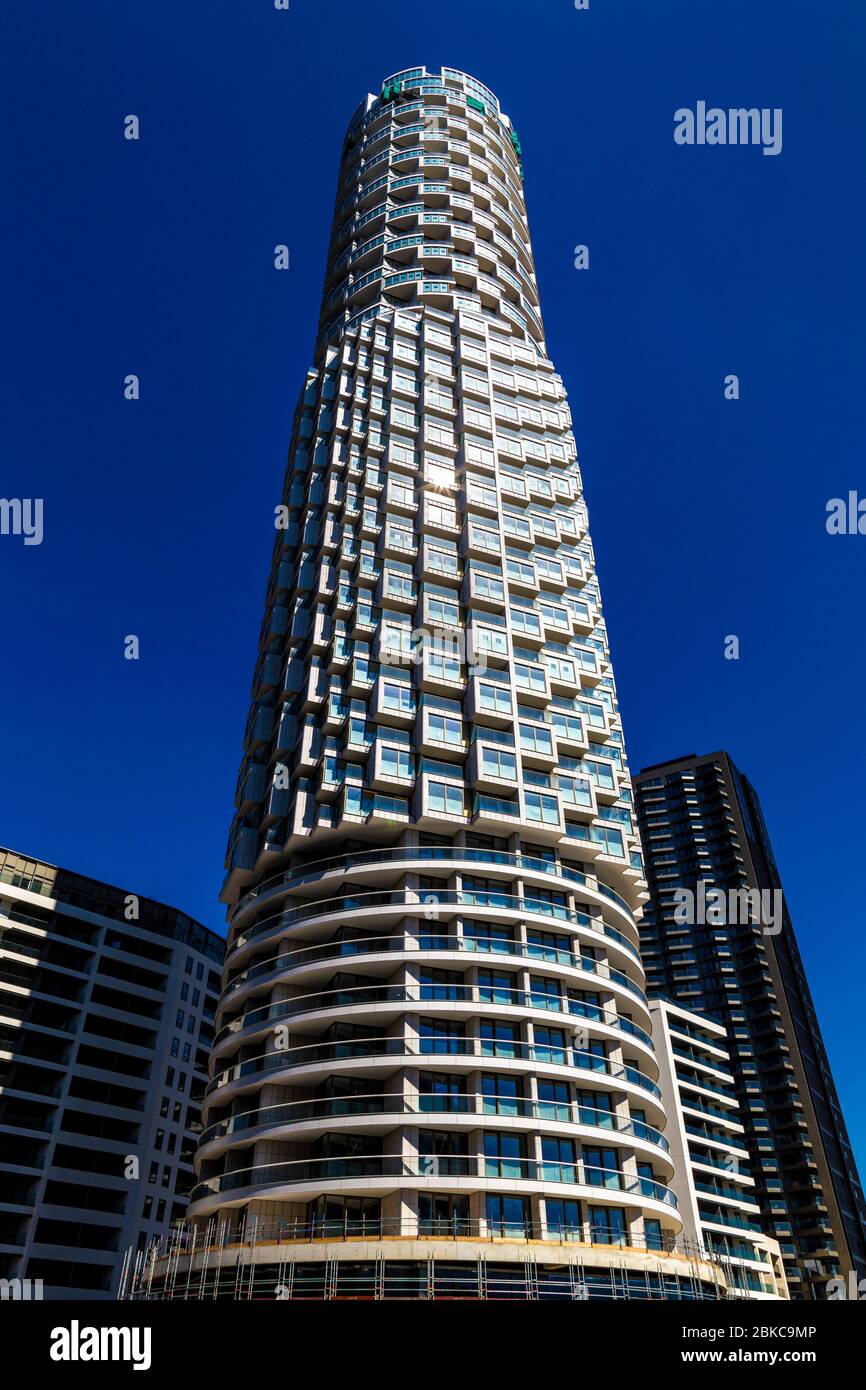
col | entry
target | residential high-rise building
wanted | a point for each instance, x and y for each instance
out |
(107, 1003)
(718, 939)
(712, 1167)
(433, 1041)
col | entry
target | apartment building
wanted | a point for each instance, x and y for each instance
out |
(712, 1167)
(107, 1004)
(717, 938)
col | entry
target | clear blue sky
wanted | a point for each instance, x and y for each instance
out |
(707, 516)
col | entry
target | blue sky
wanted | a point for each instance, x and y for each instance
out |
(708, 515)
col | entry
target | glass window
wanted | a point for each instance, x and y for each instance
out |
(396, 762)
(496, 987)
(585, 1004)
(441, 984)
(507, 1216)
(498, 762)
(504, 1155)
(502, 1095)
(443, 796)
(440, 1092)
(543, 809)
(653, 1234)
(596, 1108)
(436, 1036)
(442, 1153)
(440, 1213)
(535, 739)
(549, 946)
(553, 1101)
(648, 1180)
(549, 1045)
(443, 729)
(498, 1039)
(563, 1218)
(488, 936)
(397, 697)
(559, 1161)
(496, 698)
(544, 993)
(607, 1225)
(345, 1215)
(592, 1057)
(601, 1167)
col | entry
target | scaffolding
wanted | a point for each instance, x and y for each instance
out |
(253, 1259)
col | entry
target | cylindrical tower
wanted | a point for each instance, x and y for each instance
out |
(433, 1044)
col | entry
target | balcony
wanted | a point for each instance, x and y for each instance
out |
(471, 1171)
(308, 964)
(489, 703)
(382, 1108)
(494, 813)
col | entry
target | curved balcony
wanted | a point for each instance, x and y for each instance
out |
(405, 857)
(410, 902)
(430, 946)
(374, 1000)
(318, 1060)
(477, 1173)
(385, 1108)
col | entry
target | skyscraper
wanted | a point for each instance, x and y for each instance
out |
(106, 1016)
(433, 1040)
(734, 957)
(712, 1168)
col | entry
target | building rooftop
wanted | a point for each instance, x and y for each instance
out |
(106, 900)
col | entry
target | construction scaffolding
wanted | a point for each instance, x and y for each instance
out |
(254, 1259)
